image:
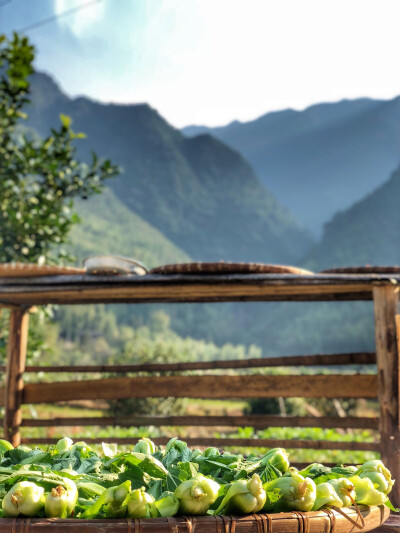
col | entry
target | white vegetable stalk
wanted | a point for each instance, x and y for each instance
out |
(345, 490)
(140, 504)
(196, 495)
(377, 472)
(63, 445)
(326, 497)
(244, 497)
(24, 498)
(297, 493)
(56, 504)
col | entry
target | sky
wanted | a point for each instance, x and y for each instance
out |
(213, 61)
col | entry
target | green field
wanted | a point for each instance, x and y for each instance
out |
(198, 407)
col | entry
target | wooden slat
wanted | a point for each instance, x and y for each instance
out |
(10, 306)
(224, 443)
(326, 294)
(282, 443)
(387, 339)
(392, 525)
(182, 288)
(2, 396)
(16, 355)
(208, 387)
(255, 421)
(363, 358)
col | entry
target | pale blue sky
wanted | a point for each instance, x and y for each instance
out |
(213, 61)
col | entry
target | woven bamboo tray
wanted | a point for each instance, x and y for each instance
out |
(23, 270)
(223, 267)
(326, 521)
(363, 270)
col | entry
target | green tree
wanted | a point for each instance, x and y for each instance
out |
(39, 178)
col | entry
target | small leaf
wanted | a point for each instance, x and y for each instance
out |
(66, 121)
(389, 504)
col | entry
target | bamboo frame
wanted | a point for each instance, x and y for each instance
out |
(295, 522)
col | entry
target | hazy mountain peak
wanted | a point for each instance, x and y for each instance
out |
(200, 193)
(322, 159)
(366, 233)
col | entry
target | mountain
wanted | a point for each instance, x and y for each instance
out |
(320, 160)
(199, 193)
(366, 233)
(109, 227)
(179, 195)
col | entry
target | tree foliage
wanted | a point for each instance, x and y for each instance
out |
(39, 178)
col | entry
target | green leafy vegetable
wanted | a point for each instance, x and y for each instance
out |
(378, 474)
(366, 493)
(140, 504)
(345, 490)
(243, 497)
(145, 445)
(73, 480)
(24, 498)
(167, 505)
(196, 495)
(64, 445)
(326, 497)
(56, 503)
(113, 500)
(298, 493)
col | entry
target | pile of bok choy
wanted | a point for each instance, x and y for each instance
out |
(73, 480)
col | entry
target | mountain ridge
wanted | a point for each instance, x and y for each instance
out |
(277, 328)
(200, 193)
(322, 159)
(195, 129)
(366, 233)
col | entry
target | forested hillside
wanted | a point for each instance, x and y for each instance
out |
(367, 233)
(323, 159)
(181, 199)
(109, 227)
(202, 195)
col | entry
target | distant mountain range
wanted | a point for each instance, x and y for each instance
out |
(366, 233)
(320, 160)
(199, 193)
(185, 198)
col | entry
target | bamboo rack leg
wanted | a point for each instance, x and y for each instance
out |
(16, 356)
(387, 333)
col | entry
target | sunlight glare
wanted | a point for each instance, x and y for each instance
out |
(81, 20)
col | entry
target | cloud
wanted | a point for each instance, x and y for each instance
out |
(212, 61)
(82, 20)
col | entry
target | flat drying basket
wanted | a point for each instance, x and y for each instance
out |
(325, 521)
